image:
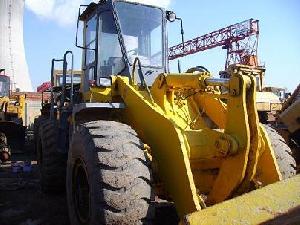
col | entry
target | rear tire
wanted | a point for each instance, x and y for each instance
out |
(52, 163)
(283, 153)
(108, 176)
(36, 127)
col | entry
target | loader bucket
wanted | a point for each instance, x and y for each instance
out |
(15, 134)
(277, 203)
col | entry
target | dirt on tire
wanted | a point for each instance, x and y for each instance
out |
(118, 175)
(283, 153)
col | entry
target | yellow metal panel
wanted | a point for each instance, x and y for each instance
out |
(267, 168)
(205, 164)
(237, 126)
(204, 180)
(208, 143)
(19, 109)
(186, 80)
(86, 96)
(255, 147)
(256, 207)
(100, 94)
(213, 107)
(177, 102)
(275, 106)
(263, 106)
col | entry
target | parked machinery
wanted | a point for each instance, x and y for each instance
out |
(132, 130)
(11, 115)
(290, 116)
(288, 123)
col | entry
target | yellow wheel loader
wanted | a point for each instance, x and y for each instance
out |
(289, 117)
(288, 124)
(11, 115)
(133, 131)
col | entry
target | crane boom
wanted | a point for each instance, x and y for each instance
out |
(228, 37)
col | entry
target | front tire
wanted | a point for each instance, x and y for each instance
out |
(283, 153)
(108, 176)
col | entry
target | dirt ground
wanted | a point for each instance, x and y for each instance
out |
(21, 199)
(23, 203)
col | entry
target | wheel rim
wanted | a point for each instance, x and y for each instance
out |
(81, 194)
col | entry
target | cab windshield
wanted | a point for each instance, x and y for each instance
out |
(141, 28)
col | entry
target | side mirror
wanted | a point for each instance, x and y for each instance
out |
(171, 16)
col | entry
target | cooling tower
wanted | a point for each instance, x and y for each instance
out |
(12, 52)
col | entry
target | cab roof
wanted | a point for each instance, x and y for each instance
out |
(90, 9)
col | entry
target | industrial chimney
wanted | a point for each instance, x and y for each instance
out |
(12, 52)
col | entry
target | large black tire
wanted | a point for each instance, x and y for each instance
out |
(108, 176)
(51, 162)
(36, 127)
(283, 153)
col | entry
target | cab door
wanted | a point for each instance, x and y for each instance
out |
(90, 51)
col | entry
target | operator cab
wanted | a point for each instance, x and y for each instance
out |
(116, 34)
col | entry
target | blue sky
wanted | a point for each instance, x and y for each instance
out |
(279, 43)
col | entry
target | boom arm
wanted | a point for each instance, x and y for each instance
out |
(230, 38)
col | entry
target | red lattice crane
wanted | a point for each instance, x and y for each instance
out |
(240, 40)
(44, 87)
